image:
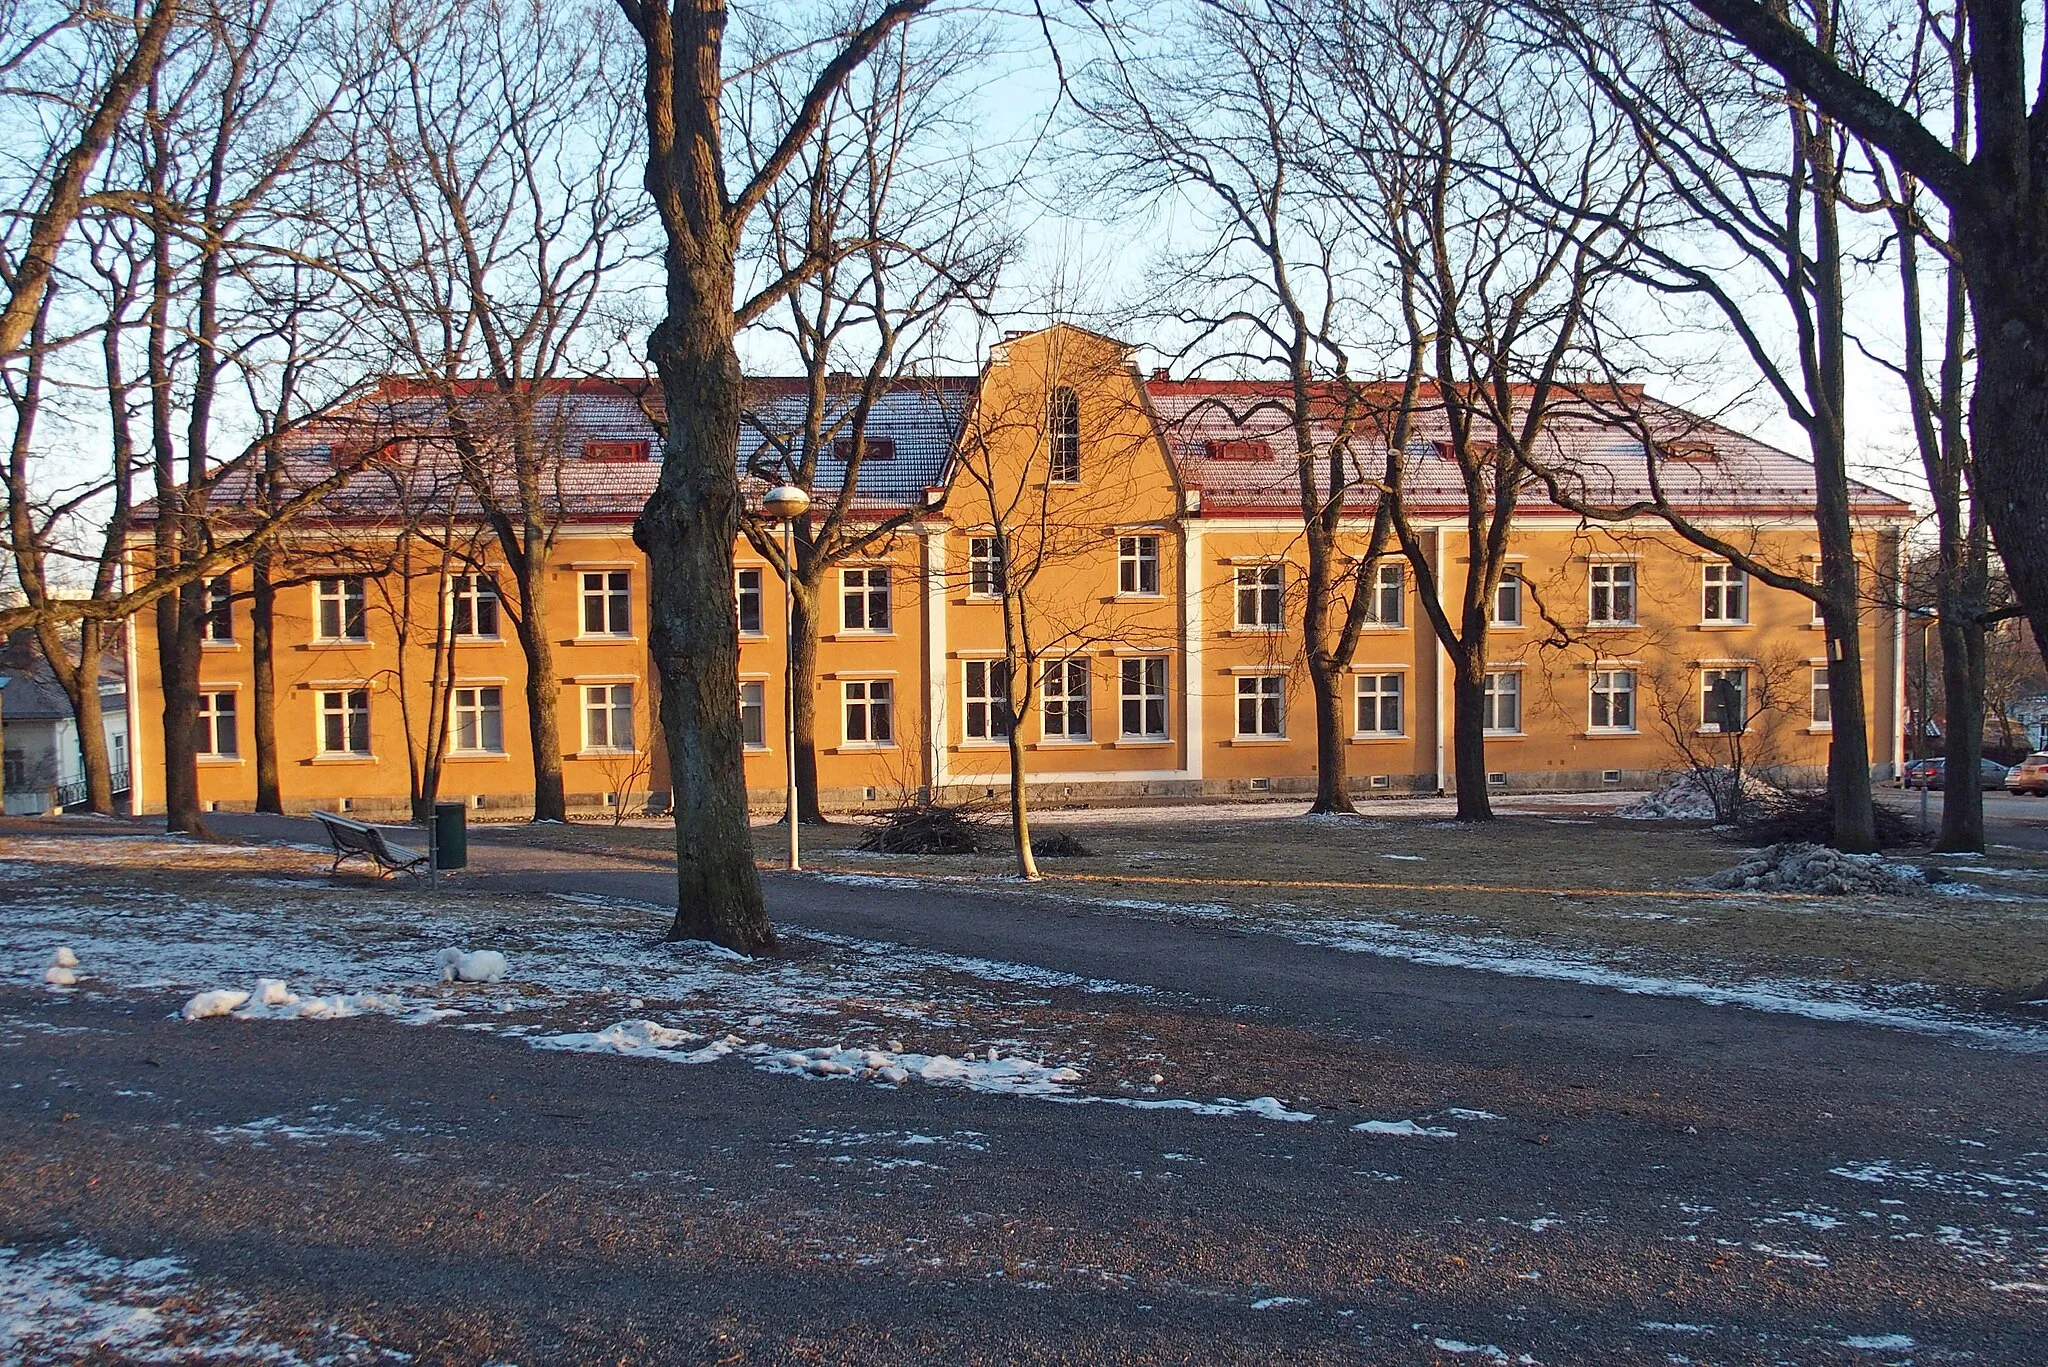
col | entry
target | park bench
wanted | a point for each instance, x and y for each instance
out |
(357, 840)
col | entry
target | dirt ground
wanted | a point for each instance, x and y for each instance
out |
(1577, 880)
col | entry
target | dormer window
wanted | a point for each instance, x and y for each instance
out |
(1239, 448)
(872, 448)
(1694, 451)
(615, 450)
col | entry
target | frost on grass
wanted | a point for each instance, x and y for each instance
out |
(75, 1304)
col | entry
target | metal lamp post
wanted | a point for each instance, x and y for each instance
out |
(786, 503)
(1927, 618)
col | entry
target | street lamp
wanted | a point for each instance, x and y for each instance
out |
(786, 503)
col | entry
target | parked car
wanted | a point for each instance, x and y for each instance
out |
(1929, 774)
(2030, 775)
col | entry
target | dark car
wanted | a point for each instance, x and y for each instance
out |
(1929, 774)
(2030, 775)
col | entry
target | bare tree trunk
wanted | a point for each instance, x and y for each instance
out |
(1020, 807)
(543, 697)
(2008, 275)
(1333, 785)
(687, 531)
(263, 695)
(1849, 794)
(803, 645)
(1468, 730)
(90, 714)
(180, 669)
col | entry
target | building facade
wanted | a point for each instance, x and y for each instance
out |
(1142, 536)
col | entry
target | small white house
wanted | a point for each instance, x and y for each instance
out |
(44, 767)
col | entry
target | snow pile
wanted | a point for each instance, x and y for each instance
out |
(1403, 1129)
(214, 1002)
(645, 1039)
(471, 966)
(59, 971)
(1798, 867)
(1690, 797)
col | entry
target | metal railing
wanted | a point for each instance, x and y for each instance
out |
(72, 794)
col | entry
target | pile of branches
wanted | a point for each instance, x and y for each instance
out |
(927, 828)
(1807, 817)
(1059, 845)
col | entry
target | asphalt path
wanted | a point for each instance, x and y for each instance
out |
(1620, 1178)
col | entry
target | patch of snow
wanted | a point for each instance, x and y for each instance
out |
(1460, 1347)
(1278, 1302)
(216, 1002)
(62, 957)
(1878, 1342)
(1406, 1129)
(471, 966)
(1460, 1113)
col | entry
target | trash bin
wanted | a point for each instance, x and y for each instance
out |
(451, 835)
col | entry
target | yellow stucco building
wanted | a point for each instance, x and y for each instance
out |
(1146, 533)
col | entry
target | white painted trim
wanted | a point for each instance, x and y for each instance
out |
(1898, 689)
(1443, 660)
(132, 705)
(935, 655)
(1191, 704)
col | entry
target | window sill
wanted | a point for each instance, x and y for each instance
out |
(1062, 743)
(335, 643)
(1256, 740)
(1821, 728)
(220, 645)
(1607, 732)
(1507, 626)
(862, 748)
(1153, 597)
(1258, 631)
(848, 635)
(1612, 626)
(477, 640)
(613, 638)
(221, 761)
(1723, 626)
(1140, 742)
(986, 745)
(1505, 735)
(1716, 731)
(753, 749)
(747, 636)
(1367, 737)
(348, 758)
(605, 752)
(475, 756)
(1383, 626)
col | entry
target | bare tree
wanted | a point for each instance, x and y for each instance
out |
(1997, 203)
(914, 221)
(1225, 112)
(693, 518)
(1760, 173)
(491, 219)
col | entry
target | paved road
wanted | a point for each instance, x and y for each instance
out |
(2009, 819)
(1662, 1178)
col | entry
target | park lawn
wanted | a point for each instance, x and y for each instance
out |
(1580, 883)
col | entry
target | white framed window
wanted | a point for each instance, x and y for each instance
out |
(217, 627)
(1724, 699)
(1258, 597)
(1611, 595)
(608, 716)
(746, 591)
(338, 609)
(213, 728)
(985, 578)
(607, 603)
(1502, 703)
(345, 721)
(1724, 594)
(1823, 699)
(864, 598)
(1142, 689)
(473, 606)
(1261, 706)
(1063, 437)
(985, 687)
(754, 714)
(870, 706)
(1378, 704)
(1063, 699)
(476, 720)
(1613, 706)
(1137, 566)
(1507, 600)
(1389, 595)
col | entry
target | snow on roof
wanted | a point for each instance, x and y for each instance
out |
(1234, 441)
